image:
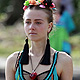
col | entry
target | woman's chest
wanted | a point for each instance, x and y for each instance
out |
(40, 69)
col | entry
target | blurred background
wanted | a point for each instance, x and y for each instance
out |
(12, 34)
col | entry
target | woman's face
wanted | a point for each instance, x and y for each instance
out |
(36, 24)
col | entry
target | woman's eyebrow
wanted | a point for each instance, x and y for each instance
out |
(28, 19)
(39, 20)
(34, 20)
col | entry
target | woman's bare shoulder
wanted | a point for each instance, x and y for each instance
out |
(11, 60)
(64, 57)
(64, 63)
(13, 56)
(64, 60)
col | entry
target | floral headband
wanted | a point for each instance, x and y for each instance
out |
(41, 4)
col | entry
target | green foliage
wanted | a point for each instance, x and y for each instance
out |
(76, 16)
(75, 41)
(3, 5)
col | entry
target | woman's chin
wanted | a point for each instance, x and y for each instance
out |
(32, 39)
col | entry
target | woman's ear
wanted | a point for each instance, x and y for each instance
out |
(50, 27)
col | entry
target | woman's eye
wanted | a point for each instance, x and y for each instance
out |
(28, 22)
(38, 22)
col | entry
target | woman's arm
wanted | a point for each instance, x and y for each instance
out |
(67, 68)
(10, 67)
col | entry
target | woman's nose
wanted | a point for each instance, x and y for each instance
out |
(32, 26)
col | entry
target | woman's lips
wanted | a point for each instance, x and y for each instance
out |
(32, 33)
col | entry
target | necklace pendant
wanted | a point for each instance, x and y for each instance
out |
(33, 75)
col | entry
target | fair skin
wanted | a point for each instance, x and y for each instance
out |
(36, 27)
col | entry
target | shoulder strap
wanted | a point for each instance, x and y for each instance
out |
(17, 60)
(55, 57)
(53, 65)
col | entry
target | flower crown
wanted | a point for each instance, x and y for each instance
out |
(41, 4)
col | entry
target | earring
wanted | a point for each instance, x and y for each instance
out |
(25, 53)
(46, 56)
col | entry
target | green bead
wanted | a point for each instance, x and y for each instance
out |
(39, 1)
(26, 3)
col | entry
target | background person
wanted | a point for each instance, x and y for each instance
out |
(59, 39)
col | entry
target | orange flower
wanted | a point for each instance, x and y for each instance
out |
(32, 2)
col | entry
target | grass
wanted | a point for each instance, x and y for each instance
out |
(12, 39)
(75, 41)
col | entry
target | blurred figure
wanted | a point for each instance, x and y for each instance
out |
(68, 4)
(59, 39)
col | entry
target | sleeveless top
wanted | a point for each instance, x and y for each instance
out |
(47, 75)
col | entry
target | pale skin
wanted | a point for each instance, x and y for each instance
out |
(36, 27)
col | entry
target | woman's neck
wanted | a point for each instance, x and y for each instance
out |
(38, 48)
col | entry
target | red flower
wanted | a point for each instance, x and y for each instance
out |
(52, 6)
(24, 8)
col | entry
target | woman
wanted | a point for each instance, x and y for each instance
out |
(40, 62)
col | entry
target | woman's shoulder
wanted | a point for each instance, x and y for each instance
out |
(64, 57)
(13, 55)
(64, 63)
(11, 60)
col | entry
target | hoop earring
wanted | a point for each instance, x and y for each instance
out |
(25, 53)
